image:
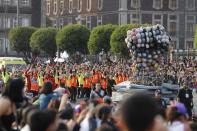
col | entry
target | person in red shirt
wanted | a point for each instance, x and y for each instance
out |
(28, 79)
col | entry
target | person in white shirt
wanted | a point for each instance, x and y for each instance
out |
(177, 118)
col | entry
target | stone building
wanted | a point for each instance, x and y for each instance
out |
(15, 13)
(178, 16)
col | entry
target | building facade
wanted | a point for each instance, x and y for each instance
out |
(177, 16)
(15, 13)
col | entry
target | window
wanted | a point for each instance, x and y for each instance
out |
(61, 22)
(157, 4)
(1, 22)
(190, 24)
(25, 21)
(54, 23)
(135, 3)
(189, 44)
(157, 19)
(14, 22)
(172, 24)
(25, 2)
(70, 6)
(6, 2)
(89, 3)
(6, 22)
(100, 4)
(1, 45)
(174, 43)
(55, 7)
(14, 2)
(61, 7)
(48, 7)
(70, 21)
(79, 6)
(135, 18)
(99, 20)
(88, 22)
(173, 4)
(190, 4)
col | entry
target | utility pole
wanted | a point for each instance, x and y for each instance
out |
(5, 26)
(58, 27)
(17, 12)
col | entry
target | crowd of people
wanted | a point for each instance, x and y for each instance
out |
(77, 97)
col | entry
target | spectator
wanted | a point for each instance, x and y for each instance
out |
(177, 117)
(46, 95)
(44, 121)
(138, 113)
(185, 96)
(11, 96)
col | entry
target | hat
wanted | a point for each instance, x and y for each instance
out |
(181, 108)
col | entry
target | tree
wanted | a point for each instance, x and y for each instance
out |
(19, 38)
(100, 38)
(43, 40)
(117, 41)
(195, 37)
(73, 38)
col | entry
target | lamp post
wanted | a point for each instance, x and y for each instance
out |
(17, 12)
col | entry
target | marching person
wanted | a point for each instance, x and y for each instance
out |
(111, 82)
(73, 86)
(87, 86)
(104, 83)
(34, 85)
(161, 104)
(81, 82)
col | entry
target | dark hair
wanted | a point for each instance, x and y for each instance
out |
(14, 90)
(139, 112)
(41, 120)
(103, 112)
(47, 88)
(67, 113)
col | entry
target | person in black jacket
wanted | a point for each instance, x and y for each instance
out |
(185, 96)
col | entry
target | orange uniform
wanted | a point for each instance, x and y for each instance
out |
(96, 78)
(87, 82)
(103, 84)
(73, 81)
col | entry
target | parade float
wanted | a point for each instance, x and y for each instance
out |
(148, 46)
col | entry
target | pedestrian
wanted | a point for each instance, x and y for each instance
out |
(177, 118)
(139, 113)
(185, 96)
(12, 95)
(161, 103)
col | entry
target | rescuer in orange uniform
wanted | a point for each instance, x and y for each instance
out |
(87, 86)
(73, 86)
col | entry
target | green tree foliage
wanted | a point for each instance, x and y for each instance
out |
(100, 38)
(117, 41)
(43, 40)
(73, 38)
(195, 38)
(19, 38)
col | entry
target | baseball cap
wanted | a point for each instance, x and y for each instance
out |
(181, 108)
